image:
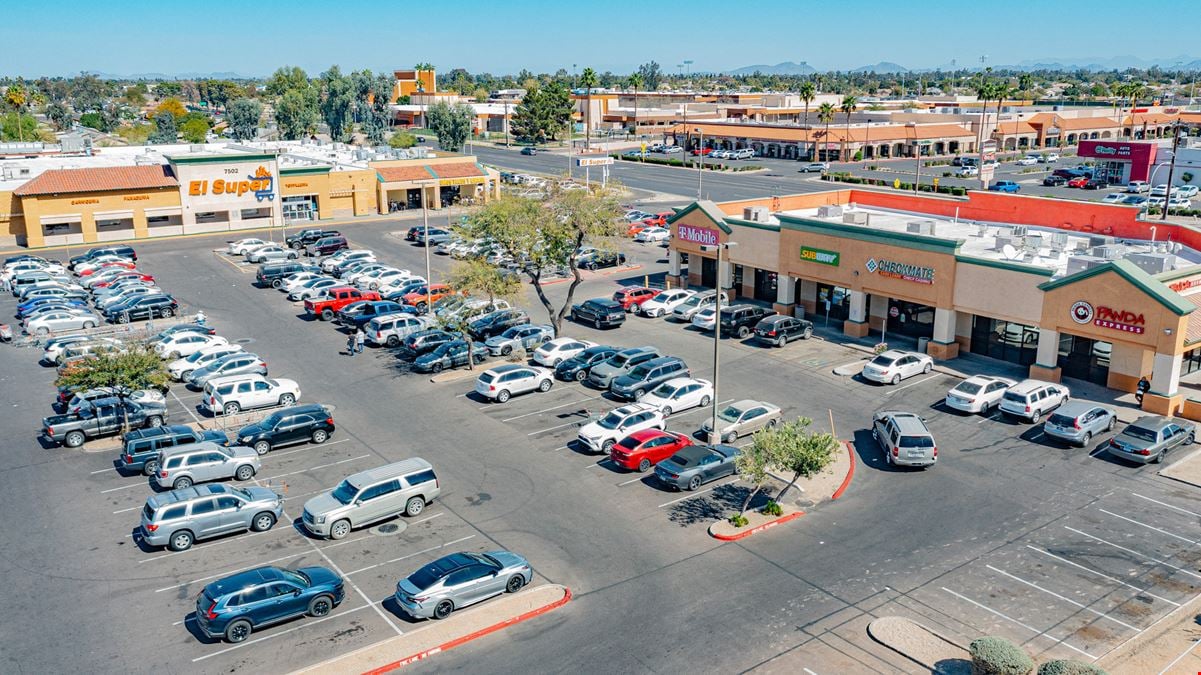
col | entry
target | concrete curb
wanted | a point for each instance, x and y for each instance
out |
(1180, 463)
(454, 375)
(846, 482)
(758, 528)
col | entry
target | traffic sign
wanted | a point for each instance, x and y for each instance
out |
(896, 183)
(894, 312)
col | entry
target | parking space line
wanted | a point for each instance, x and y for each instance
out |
(697, 494)
(1128, 550)
(1037, 633)
(810, 672)
(185, 407)
(132, 508)
(305, 494)
(93, 473)
(418, 522)
(205, 547)
(1031, 584)
(1102, 575)
(225, 574)
(632, 480)
(1149, 527)
(912, 384)
(406, 557)
(282, 632)
(309, 448)
(1176, 508)
(542, 431)
(123, 487)
(314, 468)
(539, 412)
(1182, 655)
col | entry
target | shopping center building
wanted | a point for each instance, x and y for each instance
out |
(1066, 289)
(111, 194)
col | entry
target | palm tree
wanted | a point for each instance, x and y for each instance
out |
(807, 93)
(984, 92)
(1001, 91)
(16, 96)
(849, 104)
(588, 81)
(825, 115)
(636, 80)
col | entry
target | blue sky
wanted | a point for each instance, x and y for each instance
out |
(253, 38)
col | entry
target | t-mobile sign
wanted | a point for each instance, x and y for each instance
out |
(697, 235)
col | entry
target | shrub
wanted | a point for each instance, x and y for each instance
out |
(1186, 177)
(858, 156)
(1069, 667)
(771, 508)
(997, 656)
(738, 520)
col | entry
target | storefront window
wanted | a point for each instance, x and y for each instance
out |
(708, 272)
(738, 277)
(1004, 340)
(303, 207)
(1191, 362)
(911, 319)
(765, 285)
(833, 303)
(1084, 359)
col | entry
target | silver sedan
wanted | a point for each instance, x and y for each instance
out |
(459, 580)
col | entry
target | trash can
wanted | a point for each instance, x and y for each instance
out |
(921, 344)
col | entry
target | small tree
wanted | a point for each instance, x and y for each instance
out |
(794, 447)
(124, 372)
(173, 106)
(194, 130)
(60, 115)
(752, 464)
(469, 277)
(243, 118)
(164, 128)
(998, 656)
(402, 139)
(452, 124)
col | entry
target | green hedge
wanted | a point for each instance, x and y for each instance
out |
(997, 656)
(843, 177)
(691, 163)
(1069, 667)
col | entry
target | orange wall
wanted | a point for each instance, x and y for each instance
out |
(12, 222)
(807, 200)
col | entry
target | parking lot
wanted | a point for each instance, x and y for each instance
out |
(1065, 550)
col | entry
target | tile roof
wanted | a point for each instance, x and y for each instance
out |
(396, 174)
(457, 170)
(1149, 118)
(99, 179)
(1072, 123)
(1018, 127)
(873, 134)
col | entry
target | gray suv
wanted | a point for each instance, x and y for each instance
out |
(904, 438)
(646, 376)
(181, 466)
(603, 374)
(178, 518)
(1076, 422)
(371, 496)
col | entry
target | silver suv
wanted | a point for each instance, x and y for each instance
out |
(1031, 399)
(688, 309)
(603, 373)
(178, 518)
(371, 496)
(181, 466)
(391, 329)
(904, 438)
(1076, 422)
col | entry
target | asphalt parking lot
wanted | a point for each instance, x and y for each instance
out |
(1062, 549)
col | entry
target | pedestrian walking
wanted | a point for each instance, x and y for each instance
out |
(200, 318)
(1144, 385)
(350, 340)
(359, 338)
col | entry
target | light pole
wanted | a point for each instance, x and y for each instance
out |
(714, 436)
(425, 217)
(700, 171)
(1167, 199)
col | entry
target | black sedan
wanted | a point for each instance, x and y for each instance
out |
(694, 465)
(143, 307)
(1055, 181)
(450, 355)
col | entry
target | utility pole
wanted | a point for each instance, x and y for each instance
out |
(1167, 199)
(700, 173)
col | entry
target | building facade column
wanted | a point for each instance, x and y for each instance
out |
(87, 226)
(1165, 397)
(808, 297)
(785, 295)
(725, 277)
(943, 345)
(676, 275)
(878, 312)
(141, 228)
(856, 323)
(1046, 364)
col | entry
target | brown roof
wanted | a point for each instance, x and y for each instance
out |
(397, 174)
(1149, 118)
(875, 134)
(457, 170)
(1072, 123)
(1006, 128)
(99, 179)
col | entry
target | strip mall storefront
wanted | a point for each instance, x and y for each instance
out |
(1120, 161)
(1109, 325)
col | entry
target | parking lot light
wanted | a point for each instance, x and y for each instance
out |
(715, 436)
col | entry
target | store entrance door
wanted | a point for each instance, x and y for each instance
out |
(301, 207)
(910, 319)
(1084, 359)
(765, 285)
(709, 272)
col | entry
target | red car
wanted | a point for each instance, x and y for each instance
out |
(132, 275)
(658, 220)
(643, 449)
(1078, 182)
(702, 151)
(632, 297)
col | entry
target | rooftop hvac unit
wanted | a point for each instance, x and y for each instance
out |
(196, 148)
(829, 211)
(1099, 240)
(1020, 230)
(144, 160)
(1079, 263)
(855, 217)
(1002, 241)
(981, 230)
(1110, 251)
(1154, 263)
(1033, 242)
(756, 214)
(1059, 240)
(925, 227)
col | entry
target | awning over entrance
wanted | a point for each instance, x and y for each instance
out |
(443, 175)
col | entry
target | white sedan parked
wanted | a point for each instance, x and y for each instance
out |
(271, 253)
(895, 365)
(653, 234)
(241, 246)
(705, 319)
(294, 281)
(680, 393)
(558, 350)
(662, 304)
(61, 320)
(978, 394)
(186, 344)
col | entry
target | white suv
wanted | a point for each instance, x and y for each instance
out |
(231, 395)
(1031, 399)
(603, 434)
(664, 302)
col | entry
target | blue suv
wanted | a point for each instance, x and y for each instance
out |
(234, 607)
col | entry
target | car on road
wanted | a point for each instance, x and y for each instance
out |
(452, 354)
(1031, 399)
(641, 450)
(602, 374)
(529, 150)
(680, 393)
(238, 363)
(1137, 187)
(1055, 181)
(663, 303)
(601, 435)
(651, 235)
(141, 446)
(180, 369)
(978, 394)
(186, 344)
(904, 438)
(814, 167)
(232, 395)
(686, 309)
(502, 382)
(1076, 422)
(780, 329)
(524, 338)
(241, 246)
(600, 312)
(368, 497)
(741, 418)
(894, 365)
(1004, 186)
(646, 376)
(967, 171)
(297, 424)
(391, 329)
(182, 466)
(631, 297)
(695, 465)
(553, 352)
(57, 320)
(579, 366)
(233, 607)
(1150, 438)
(272, 253)
(459, 580)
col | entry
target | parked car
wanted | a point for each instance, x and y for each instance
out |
(182, 466)
(335, 298)
(524, 337)
(1138, 186)
(1004, 186)
(553, 352)
(495, 323)
(427, 295)
(232, 395)
(579, 366)
(145, 307)
(233, 607)
(1031, 399)
(370, 496)
(695, 465)
(597, 259)
(904, 438)
(705, 319)
(281, 275)
(1028, 160)
(502, 382)
(631, 297)
(115, 250)
(425, 341)
(74, 401)
(895, 365)
(141, 446)
(452, 354)
(741, 320)
(1149, 439)
(978, 394)
(58, 320)
(1095, 184)
(102, 417)
(390, 329)
(297, 424)
(1078, 181)
(238, 363)
(780, 329)
(326, 246)
(814, 167)
(741, 418)
(271, 253)
(179, 518)
(313, 288)
(641, 450)
(652, 235)
(603, 434)
(432, 237)
(1054, 181)
(186, 344)
(241, 246)
(1114, 198)
(301, 239)
(664, 302)
(358, 314)
(459, 580)
(1076, 422)
(600, 312)
(680, 393)
(646, 376)
(346, 256)
(181, 369)
(601, 375)
(1135, 200)
(968, 171)
(686, 309)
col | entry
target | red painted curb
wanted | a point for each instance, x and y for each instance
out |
(846, 482)
(758, 528)
(451, 644)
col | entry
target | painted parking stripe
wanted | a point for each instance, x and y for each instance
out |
(269, 636)
(911, 384)
(123, 487)
(187, 408)
(1149, 527)
(418, 522)
(309, 447)
(697, 494)
(1037, 633)
(225, 574)
(539, 412)
(1102, 575)
(632, 480)
(406, 557)
(108, 470)
(205, 547)
(1176, 508)
(1157, 561)
(314, 468)
(1053, 594)
(1183, 654)
(560, 426)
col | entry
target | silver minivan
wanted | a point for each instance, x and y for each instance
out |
(181, 466)
(178, 518)
(371, 496)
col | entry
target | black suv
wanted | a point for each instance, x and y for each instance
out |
(424, 341)
(577, 367)
(497, 322)
(1055, 181)
(780, 329)
(600, 312)
(272, 274)
(740, 320)
(597, 259)
(148, 306)
(297, 424)
(305, 237)
(143, 445)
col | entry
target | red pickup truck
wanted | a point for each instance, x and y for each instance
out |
(336, 298)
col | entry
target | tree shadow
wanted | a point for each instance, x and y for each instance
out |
(717, 504)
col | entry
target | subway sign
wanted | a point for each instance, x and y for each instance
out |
(820, 256)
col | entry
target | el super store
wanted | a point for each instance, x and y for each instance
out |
(1066, 289)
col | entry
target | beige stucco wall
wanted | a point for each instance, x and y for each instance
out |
(999, 294)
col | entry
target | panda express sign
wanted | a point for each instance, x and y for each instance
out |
(1107, 317)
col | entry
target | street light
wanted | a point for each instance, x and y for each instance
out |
(700, 172)
(1167, 198)
(425, 216)
(714, 437)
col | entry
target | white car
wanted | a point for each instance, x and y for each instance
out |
(1137, 186)
(294, 281)
(233, 394)
(186, 344)
(338, 258)
(1187, 191)
(61, 320)
(502, 382)
(181, 368)
(271, 253)
(55, 352)
(662, 304)
(84, 268)
(895, 365)
(1028, 160)
(241, 246)
(558, 350)
(1051, 157)
(705, 318)
(603, 434)
(1114, 198)
(1179, 203)
(370, 271)
(680, 393)
(978, 394)
(13, 269)
(1161, 190)
(385, 278)
(966, 171)
(653, 234)
(313, 288)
